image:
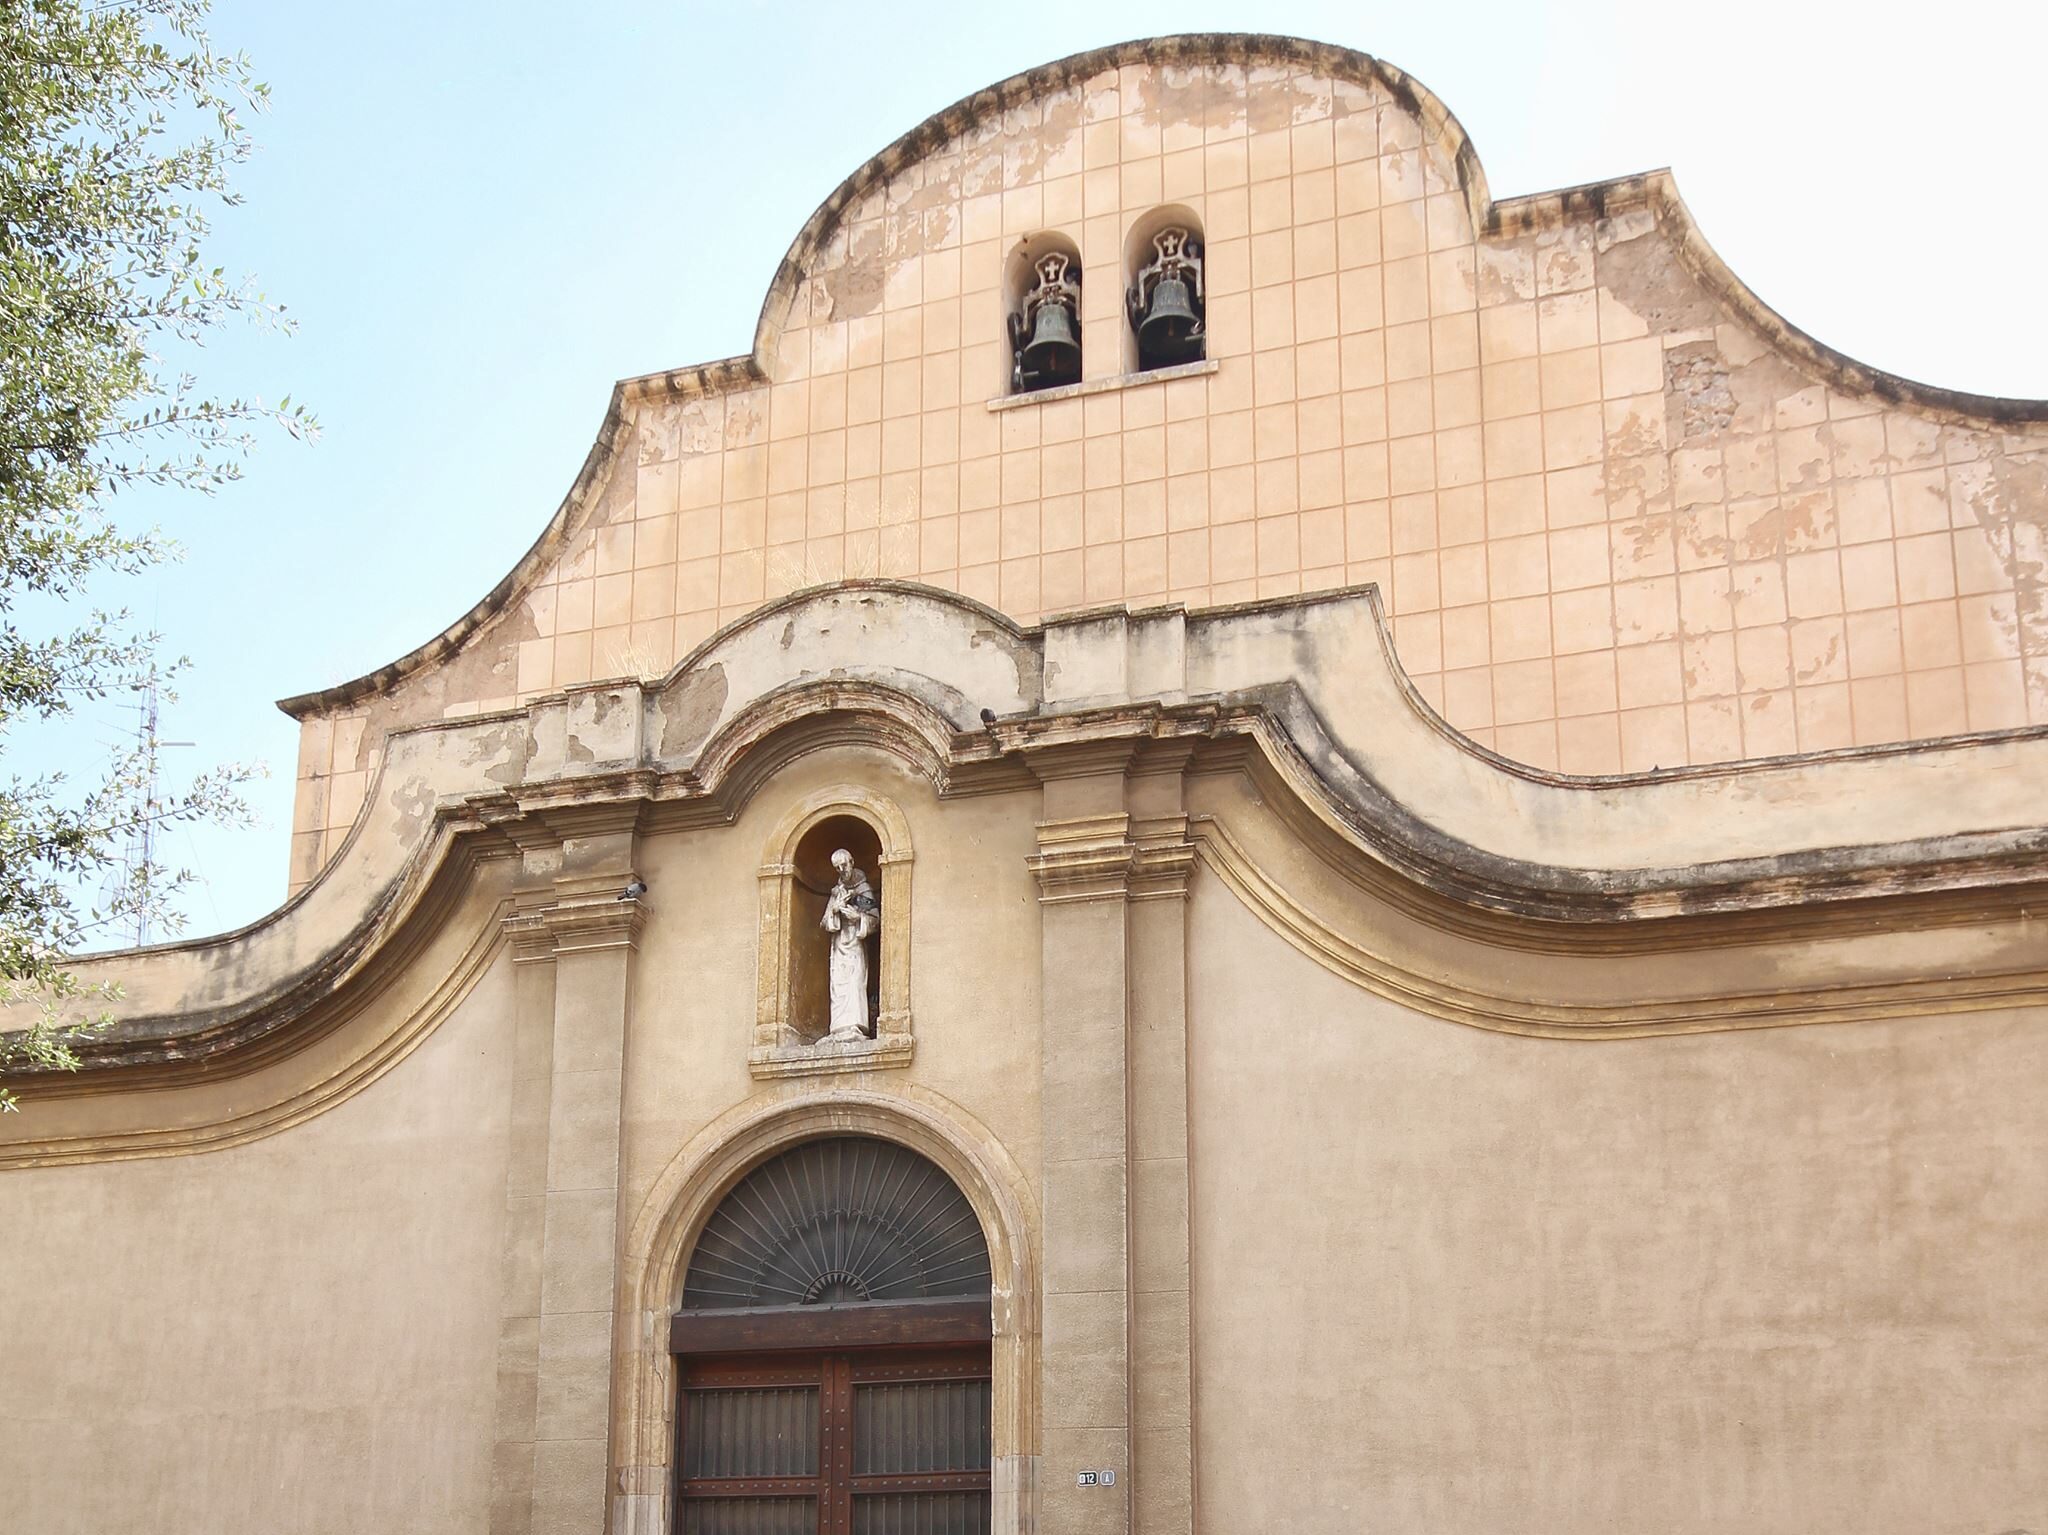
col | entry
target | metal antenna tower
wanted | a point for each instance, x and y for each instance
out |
(138, 859)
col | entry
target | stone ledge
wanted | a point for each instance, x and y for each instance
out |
(1200, 369)
(884, 1054)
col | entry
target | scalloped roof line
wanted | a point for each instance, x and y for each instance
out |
(1655, 190)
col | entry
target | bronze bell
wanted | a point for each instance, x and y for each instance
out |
(1053, 355)
(1171, 328)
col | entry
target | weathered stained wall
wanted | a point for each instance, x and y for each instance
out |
(1441, 1277)
(1444, 1279)
(1224, 960)
(299, 1333)
(1622, 519)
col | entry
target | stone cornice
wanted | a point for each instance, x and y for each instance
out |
(588, 924)
(1087, 858)
(245, 1033)
(528, 935)
(1162, 858)
(1544, 905)
(1112, 857)
(1335, 938)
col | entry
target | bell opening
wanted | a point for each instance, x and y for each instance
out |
(1165, 299)
(1045, 316)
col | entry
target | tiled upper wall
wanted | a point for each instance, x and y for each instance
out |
(1618, 523)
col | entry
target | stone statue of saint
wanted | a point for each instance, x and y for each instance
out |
(852, 914)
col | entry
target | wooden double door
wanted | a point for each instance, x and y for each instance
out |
(859, 1442)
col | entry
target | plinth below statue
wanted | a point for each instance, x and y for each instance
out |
(852, 917)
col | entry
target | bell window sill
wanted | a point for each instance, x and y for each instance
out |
(1089, 386)
(802, 1060)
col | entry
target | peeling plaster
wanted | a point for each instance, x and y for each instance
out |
(1732, 372)
(673, 428)
(854, 288)
(1698, 402)
(689, 709)
(2007, 495)
(1277, 97)
(413, 800)
(509, 747)
(1183, 98)
(1645, 277)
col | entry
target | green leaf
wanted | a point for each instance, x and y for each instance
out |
(104, 227)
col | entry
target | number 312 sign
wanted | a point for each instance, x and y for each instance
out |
(1096, 1479)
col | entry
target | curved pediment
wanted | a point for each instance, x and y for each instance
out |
(1302, 702)
(1194, 81)
(1179, 90)
(896, 178)
(713, 489)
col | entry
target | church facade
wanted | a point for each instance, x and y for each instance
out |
(1238, 840)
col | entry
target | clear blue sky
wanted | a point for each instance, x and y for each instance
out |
(482, 215)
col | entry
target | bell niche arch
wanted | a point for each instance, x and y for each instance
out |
(1042, 312)
(1165, 295)
(797, 881)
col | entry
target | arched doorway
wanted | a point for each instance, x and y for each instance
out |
(833, 1351)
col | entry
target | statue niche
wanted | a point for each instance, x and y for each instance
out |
(835, 935)
(852, 917)
(800, 923)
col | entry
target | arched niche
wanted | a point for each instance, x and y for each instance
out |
(1026, 279)
(809, 959)
(1141, 251)
(792, 1013)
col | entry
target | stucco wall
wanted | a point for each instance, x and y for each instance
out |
(299, 1333)
(1408, 1273)
(1774, 1282)
(1622, 518)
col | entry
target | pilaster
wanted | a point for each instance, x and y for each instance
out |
(1113, 862)
(573, 934)
(533, 982)
(1083, 865)
(1162, 1405)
